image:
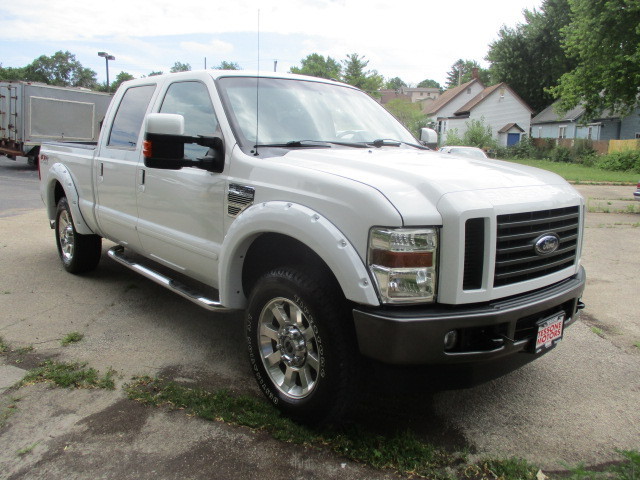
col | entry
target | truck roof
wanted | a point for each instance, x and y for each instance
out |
(216, 74)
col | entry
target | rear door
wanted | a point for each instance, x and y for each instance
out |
(116, 168)
(180, 212)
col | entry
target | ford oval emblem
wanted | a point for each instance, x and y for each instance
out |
(546, 244)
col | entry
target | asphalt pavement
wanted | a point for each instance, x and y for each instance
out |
(577, 404)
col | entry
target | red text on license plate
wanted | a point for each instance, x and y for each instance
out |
(549, 332)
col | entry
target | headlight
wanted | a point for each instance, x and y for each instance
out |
(403, 263)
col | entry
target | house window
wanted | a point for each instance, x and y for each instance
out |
(469, 91)
(539, 132)
(562, 132)
(637, 135)
(589, 133)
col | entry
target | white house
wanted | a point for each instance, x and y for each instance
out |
(497, 106)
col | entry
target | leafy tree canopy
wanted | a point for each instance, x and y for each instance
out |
(316, 65)
(60, 69)
(462, 72)
(354, 74)
(428, 83)
(154, 73)
(121, 77)
(224, 65)
(407, 113)
(395, 83)
(180, 67)
(530, 57)
(604, 39)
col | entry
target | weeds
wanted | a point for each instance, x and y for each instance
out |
(73, 337)
(69, 375)
(25, 450)
(403, 452)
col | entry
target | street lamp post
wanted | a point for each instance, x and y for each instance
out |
(107, 57)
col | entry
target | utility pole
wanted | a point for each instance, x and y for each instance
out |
(275, 65)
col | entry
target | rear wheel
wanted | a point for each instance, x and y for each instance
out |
(301, 345)
(79, 253)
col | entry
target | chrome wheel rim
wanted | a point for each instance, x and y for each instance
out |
(289, 348)
(66, 236)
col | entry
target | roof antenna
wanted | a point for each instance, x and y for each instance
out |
(257, 89)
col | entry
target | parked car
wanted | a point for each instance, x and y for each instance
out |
(636, 194)
(471, 152)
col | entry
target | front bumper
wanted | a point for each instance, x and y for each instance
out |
(415, 335)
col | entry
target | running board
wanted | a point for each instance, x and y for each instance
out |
(117, 253)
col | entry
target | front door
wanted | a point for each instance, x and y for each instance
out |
(180, 212)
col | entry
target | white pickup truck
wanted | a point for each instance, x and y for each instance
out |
(303, 202)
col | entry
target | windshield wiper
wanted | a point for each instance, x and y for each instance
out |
(311, 144)
(388, 142)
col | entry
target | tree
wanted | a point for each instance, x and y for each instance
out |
(604, 40)
(395, 83)
(154, 73)
(316, 65)
(407, 113)
(530, 57)
(12, 73)
(462, 72)
(354, 74)
(428, 83)
(61, 69)
(224, 65)
(180, 67)
(121, 77)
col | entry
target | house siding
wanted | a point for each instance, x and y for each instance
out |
(496, 112)
(630, 126)
(450, 108)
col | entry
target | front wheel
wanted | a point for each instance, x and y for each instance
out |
(79, 253)
(301, 345)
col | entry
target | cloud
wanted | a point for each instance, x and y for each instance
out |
(214, 47)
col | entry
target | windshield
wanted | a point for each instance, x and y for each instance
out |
(297, 110)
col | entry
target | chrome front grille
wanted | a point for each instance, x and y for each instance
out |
(516, 256)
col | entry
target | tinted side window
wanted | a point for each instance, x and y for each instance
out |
(192, 101)
(129, 117)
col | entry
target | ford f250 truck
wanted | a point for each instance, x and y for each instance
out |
(303, 202)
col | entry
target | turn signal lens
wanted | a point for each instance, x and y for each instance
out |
(147, 149)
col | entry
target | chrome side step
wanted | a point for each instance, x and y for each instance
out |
(117, 253)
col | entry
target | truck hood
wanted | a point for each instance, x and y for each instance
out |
(415, 181)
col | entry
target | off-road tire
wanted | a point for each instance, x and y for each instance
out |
(304, 319)
(78, 253)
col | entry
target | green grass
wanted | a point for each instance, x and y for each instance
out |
(69, 375)
(402, 452)
(73, 337)
(627, 469)
(581, 174)
(25, 450)
(598, 331)
(3, 346)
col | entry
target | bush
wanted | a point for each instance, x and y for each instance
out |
(628, 160)
(560, 154)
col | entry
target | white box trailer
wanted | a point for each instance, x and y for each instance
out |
(32, 113)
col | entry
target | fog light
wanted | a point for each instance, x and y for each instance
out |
(450, 340)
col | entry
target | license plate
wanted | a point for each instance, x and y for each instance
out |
(549, 332)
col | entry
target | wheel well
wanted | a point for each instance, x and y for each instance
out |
(58, 193)
(271, 250)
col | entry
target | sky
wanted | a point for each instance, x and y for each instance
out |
(410, 39)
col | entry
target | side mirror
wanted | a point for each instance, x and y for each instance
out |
(429, 137)
(164, 142)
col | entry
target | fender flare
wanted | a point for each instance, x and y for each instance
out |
(58, 173)
(304, 225)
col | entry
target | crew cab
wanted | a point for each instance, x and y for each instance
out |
(306, 204)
